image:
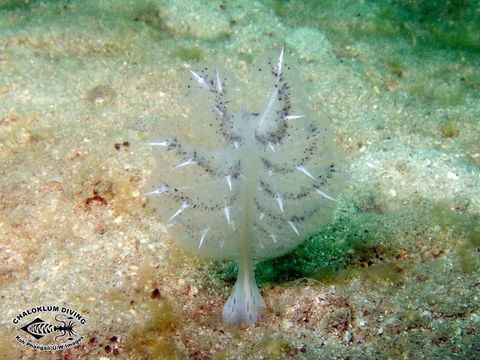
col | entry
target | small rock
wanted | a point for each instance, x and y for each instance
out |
(452, 176)
(426, 314)
(287, 324)
(193, 291)
(391, 321)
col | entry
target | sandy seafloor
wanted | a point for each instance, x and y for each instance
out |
(82, 84)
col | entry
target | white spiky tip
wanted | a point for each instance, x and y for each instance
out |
(162, 189)
(156, 143)
(279, 202)
(202, 238)
(324, 194)
(179, 211)
(292, 225)
(293, 117)
(201, 81)
(280, 62)
(219, 85)
(274, 237)
(226, 211)
(186, 162)
(229, 181)
(304, 170)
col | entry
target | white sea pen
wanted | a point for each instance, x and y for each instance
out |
(245, 185)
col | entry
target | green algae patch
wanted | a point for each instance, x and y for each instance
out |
(412, 318)
(468, 251)
(463, 230)
(449, 24)
(193, 54)
(395, 67)
(154, 339)
(444, 37)
(391, 273)
(354, 238)
(468, 259)
(21, 4)
(449, 129)
(151, 16)
(274, 349)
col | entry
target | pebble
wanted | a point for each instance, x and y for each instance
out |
(193, 291)
(287, 324)
(426, 314)
(391, 321)
(452, 175)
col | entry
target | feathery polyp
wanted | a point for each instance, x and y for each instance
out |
(245, 185)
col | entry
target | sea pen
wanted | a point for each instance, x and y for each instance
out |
(245, 185)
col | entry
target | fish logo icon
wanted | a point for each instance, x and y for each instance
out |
(39, 328)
